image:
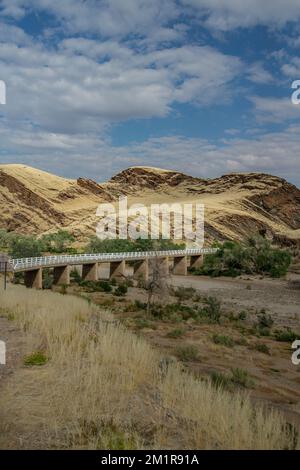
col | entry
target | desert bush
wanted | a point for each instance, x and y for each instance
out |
(262, 347)
(220, 380)
(286, 336)
(121, 290)
(175, 333)
(223, 340)
(141, 323)
(140, 305)
(241, 377)
(242, 315)
(187, 353)
(96, 286)
(184, 293)
(265, 321)
(212, 309)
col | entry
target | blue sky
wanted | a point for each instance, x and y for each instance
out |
(201, 86)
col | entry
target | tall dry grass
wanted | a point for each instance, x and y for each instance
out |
(103, 387)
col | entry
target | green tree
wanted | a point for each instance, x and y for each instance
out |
(25, 247)
(58, 242)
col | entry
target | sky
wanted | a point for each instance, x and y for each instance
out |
(199, 86)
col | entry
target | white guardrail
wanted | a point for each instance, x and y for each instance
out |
(23, 264)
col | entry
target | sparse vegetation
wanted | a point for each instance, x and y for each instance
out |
(212, 309)
(121, 290)
(91, 351)
(241, 377)
(238, 377)
(35, 359)
(176, 333)
(255, 256)
(265, 321)
(223, 340)
(262, 347)
(187, 353)
(286, 336)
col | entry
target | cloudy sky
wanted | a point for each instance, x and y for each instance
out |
(202, 86)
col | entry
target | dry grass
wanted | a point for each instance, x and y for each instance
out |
(103, 387)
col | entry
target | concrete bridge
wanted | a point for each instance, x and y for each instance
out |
(62, 264)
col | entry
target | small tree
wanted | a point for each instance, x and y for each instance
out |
(25, 247)
(58, 242)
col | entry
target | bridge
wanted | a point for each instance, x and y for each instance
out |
(178, 260)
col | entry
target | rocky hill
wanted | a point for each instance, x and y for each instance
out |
(236, 205)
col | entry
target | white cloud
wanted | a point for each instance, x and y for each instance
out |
(106, 17)
(87, 84)
(277, 110)
(231, 14)
(92, 156)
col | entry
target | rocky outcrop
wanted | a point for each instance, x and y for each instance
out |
(236, 205)
(135, 178)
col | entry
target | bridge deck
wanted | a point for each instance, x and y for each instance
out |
(27, 264)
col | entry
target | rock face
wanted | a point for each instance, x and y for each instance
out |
(236, 205)
(137, 178)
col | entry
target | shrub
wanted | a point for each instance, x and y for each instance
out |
(96, 286)
(264, 331)
(241, 377)
(176, 333)
(220, 380)
(140, 305)
(286, 336)
(223, 340)
(184, 293)
(265, 321)
(121, 290)
(141, 323)
(262, 347)
(187, 353)
(242, 316)
(35, 359)
(75, 276)
(212, 309)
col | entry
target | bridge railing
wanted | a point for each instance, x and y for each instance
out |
(17, 264)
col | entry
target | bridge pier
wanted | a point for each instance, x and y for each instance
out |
(90, 272)
(34, 278)
(61, 275)
(164, 266)
(180, 266)
(196, 261)
(141, 270)
(117, 269)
